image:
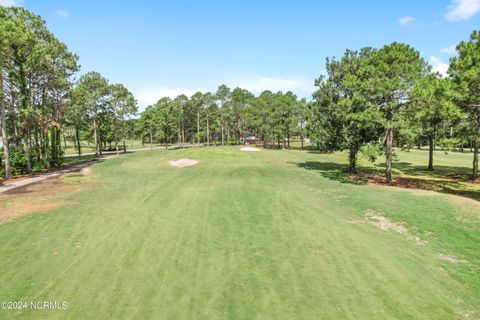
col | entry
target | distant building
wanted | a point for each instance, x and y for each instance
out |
(251, 140)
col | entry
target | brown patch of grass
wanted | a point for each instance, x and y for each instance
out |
(418, 240)
(44, 196)
(18, 210)
(378, 219)
(451, 258)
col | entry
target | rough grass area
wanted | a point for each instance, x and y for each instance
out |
(247, 235)
(451, 174)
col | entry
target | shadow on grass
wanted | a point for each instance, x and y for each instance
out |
(336, 171)
(439, 172)
(444, 179)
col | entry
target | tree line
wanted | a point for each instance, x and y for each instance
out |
(368, 101)
(40, 101)
(225, 117)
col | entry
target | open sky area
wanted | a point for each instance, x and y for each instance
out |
(165, 48)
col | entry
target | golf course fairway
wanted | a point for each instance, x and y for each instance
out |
(273, 234)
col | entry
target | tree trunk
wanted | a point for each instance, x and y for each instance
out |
(116, 136)
(14, 122)
(26, 147)
(151, 137)
(208, 134)
(222, 130)
(79, 146)
(64, 140)
(179, 134)
(352, 158)
(240, 132)
(227, 128)
(53, 148)
(59, 147)
(475, 159)
(198, 127)
(123, 135)
(183, 132)
(37, 144)
(388, 153)
(95, 137)
(430, 152)
(47, 144)
(3, 125)
(165, 132)
(25, 107)
(43, 148)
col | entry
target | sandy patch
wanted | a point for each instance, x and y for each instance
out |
(21, 210)
(250, 149)
(180, 163)
(378, 219)
(86, 171)
(467, 314)
(418, 240)
(351, 221)
(451, 258)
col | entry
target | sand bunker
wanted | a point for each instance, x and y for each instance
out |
(249, 149)
(180, 163)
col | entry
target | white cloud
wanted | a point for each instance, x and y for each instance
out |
(462, 10)
(256, 84)
(438, 65)
(150, 95)
(10, 3)
(62, 13)
(299, 86)
(405, 21)
(450, 49)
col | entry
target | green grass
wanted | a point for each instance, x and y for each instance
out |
(260, 235)
(451, 174)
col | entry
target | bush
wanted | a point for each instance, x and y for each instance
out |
(372, 151)
(18, 161)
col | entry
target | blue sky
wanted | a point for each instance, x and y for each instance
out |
(165, 48)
